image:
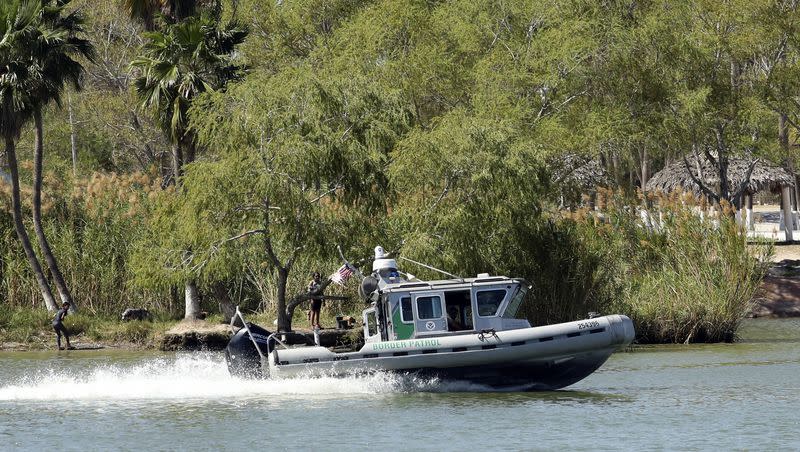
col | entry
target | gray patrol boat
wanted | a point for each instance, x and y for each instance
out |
(462, 329)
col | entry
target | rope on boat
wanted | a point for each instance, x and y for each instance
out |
(483, 334)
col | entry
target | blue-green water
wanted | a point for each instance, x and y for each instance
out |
(704, 397)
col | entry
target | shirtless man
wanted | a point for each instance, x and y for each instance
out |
(58, 325)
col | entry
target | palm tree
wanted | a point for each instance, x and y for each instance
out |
(183, 61)
(19, 77)
(147, 10)
(57, 44)
(179, 63)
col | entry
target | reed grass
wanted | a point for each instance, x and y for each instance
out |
(569, 273)
(685, 276)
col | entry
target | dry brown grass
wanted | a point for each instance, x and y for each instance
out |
(199, 326)
(783, 252)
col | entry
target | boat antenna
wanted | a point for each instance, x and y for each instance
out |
(431, 268)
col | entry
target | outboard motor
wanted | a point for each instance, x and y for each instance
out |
(241, 354)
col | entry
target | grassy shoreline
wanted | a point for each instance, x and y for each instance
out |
(30, 329)
(22, 329)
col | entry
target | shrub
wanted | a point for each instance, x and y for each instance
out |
(568, 272)
(687, 275)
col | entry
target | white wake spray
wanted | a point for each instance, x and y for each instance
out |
(199, 376)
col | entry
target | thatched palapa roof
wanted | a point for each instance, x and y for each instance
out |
(676, 176)
(585, 173)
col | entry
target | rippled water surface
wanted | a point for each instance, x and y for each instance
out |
(704, 397)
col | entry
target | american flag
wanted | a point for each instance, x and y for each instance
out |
(341, 275)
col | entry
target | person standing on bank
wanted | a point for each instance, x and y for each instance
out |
(316, 303)
(58, 325)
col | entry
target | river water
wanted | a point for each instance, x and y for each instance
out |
(700, 397)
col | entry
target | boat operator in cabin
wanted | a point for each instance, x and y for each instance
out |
(453, 322)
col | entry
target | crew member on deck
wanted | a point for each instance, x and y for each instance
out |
(316, 303)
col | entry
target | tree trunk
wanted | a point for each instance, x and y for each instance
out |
(617, 165)
(192, 299)
(788, 223)
(783, 140)
(22, 235)
(645, 167)
(735, 75)
(284, 321)
(5, 297)
(724, 189)
(191, 294)
(191, 149)
(47, 252)
(226, 306)
(722, 165)
(177, 162)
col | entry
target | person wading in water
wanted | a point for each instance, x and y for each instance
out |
(58, 326)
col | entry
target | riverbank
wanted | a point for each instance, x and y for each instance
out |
(27, 330)
(779, 295)
(138, 336)
(196, 335)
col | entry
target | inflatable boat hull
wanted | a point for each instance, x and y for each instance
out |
(538, 358)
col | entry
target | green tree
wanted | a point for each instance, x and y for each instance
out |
(56, 52)
(630, 89)
(187, 59)
(20, 78)
(716, 103)
(304, 173)
(147, 11)
(777, 25)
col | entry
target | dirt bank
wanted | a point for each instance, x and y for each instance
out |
(196, 335)
(779, 295)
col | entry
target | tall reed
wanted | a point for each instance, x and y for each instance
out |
(688, 274)
(91, 224)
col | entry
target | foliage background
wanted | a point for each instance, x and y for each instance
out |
(427, 127)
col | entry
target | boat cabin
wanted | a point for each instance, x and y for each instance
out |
(412, 309)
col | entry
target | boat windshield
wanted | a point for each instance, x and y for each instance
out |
(489, 301)
(516, 302)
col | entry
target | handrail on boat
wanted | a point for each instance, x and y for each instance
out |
(275, 337)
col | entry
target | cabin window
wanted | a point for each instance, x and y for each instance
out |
(429, 307)
(516, 302)
(406, 310)
(489, 301)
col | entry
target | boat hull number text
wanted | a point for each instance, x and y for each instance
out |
(587, 325)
